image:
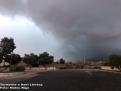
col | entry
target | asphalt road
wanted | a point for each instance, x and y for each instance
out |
(75, 80)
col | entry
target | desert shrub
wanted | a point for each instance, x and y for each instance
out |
(17, 68)
(35, 65)
(69, 66)
(79, 66)
(97, 67)
(62, 67)
(62, 61)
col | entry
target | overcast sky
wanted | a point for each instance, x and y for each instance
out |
(65, 28)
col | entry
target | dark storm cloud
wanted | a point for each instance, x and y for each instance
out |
(12, 7)
(84, 27)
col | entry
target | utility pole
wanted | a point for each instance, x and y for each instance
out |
(84, 60)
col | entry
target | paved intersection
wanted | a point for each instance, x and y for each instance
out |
(75, 80)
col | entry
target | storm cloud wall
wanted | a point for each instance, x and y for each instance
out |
(88, 28)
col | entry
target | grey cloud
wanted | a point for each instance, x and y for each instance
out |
(13, 7)
(84, 27)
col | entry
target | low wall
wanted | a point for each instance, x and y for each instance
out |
(109, 68)
(106, 67)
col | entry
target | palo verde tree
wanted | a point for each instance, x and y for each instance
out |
(115, 61)
(7, 46)
(45, 58)
(30, 59)
(13, 59)
(34, 59)
(0, 57)
(62, 61)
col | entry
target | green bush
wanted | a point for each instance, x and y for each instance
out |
(62, 67)
(97, 67)
(79, 66)
(69, 66)
(17, 68)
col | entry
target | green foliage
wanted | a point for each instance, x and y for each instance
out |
(7, 46)
(62, 61)
(62, 67)
(45, 58)
(13, 59)
(1, 57)
(35, 60)
(31, 59)
(115, 60)
(17, 68)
